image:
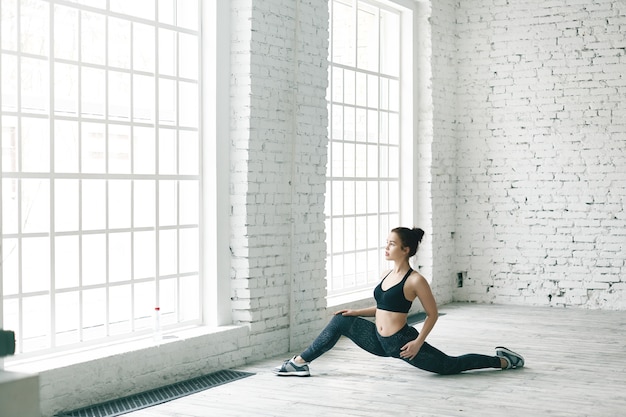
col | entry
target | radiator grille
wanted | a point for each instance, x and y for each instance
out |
(157, 396)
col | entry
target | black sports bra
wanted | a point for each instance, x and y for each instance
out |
(393, 299)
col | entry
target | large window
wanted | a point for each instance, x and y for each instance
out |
(101, 162)
(363, 186)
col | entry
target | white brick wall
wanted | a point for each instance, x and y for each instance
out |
(441, 225)
(541, 156)
(279, 157)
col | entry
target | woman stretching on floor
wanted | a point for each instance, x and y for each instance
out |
(390, 335)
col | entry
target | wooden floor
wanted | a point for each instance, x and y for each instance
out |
(575, 366)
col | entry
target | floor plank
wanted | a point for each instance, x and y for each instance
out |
(575, 366)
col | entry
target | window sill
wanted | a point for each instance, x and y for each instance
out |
(90, 353)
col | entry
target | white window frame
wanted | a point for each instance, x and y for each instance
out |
(141, 323)
(215, 259)
(403, 215)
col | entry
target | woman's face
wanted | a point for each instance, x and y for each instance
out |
(394, 250)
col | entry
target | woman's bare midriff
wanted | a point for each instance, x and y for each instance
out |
(389, 322)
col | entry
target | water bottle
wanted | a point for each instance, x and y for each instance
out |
(157, 335)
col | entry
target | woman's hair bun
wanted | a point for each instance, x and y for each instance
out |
(419, 233)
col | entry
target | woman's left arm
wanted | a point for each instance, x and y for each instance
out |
(425, 295)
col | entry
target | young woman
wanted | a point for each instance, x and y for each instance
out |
(390, 335)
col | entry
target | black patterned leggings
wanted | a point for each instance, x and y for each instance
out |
(363, 332)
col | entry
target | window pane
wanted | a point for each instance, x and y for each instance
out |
(394, 128)
(66, 203)
(8, 24)
(188, 155)
(35, 85)
(67, 315)
(93, 204)
(35, 145)
(65, 89)
(143, 86)
(167, 101)
(93, 148)
(337, 122)
(143, 45)
(349, 233)
(65, 33)
(348, 198)
(167, 203)
(145, 302)
(361, 125)
(119, 149)
(167, 51)
(119, 257)
(65, 146)
(187, 14)
(372, 161)
(144, 255)
(35, 205)
(189, 252)
(143, 9)
(143, 151)
(94, 314)
(188, 50)
(92, 37)
(349, 156)
(343, 33)
(390, 43)
(119, 95)
(93, 92)
(66, 263)
(36, 323)
(144, 201)
(394, 95)
(168, 289)
(120, 313)
(167, 151)
(9, 81)
(9, 205)
(119, 204)
(372, 197)
(189, 193)
(167, 252)
(189, 299)
(337, 197)
(349, 87)
(119, 35)
(94, 259)
(35, 275)
(10, 270)
(34, 24)
(188, 100)
(367, 42)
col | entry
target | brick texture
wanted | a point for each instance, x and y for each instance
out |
(279, 139)
(541, 152)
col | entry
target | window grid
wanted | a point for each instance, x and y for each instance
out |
(363, 183)
(94, 176)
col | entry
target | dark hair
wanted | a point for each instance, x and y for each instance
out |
(410, 238)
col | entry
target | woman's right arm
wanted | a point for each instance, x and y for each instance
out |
(364, 312)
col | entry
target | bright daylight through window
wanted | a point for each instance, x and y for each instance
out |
(363, 186)
(99, 105)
